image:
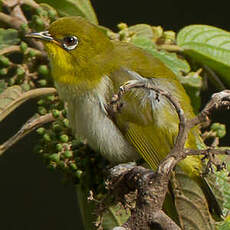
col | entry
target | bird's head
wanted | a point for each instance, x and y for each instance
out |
(72, 43)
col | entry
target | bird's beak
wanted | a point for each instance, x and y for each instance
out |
(44, 35)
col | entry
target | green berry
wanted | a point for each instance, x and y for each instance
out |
(3, 71)
(64, 113)
(40, 130)
(24, 27)
(20, 71)
(56, 113)
(39, 10)
(51, 97)
(39, 150)
(57, 127)
(11, 81)
(122, 26)
(41, 102)
(61, 164)
(66, 122)
(42, 110)
(59, 147)
(32, 53)
(68, 154)
(54, 157)
(44, 13)
(4, 60)
(39, 22)
(73, 166)
(23, 47)
(25, 86)
(78, 173)
(43, 69)
(42, 82)
(52, 14)
(47, 137)
(64, 138)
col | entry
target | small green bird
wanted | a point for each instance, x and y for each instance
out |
(88, 70)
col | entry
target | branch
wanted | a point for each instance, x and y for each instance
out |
(152, 187)
(16, 19)
(218, 100)
(11, 21)
(21, 98)
(27, 128)
(10, 49)
(149, 200)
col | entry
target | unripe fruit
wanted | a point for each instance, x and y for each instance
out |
(43, 69)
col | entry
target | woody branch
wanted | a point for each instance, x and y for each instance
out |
(152, 186)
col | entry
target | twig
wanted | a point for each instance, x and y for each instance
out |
(152, 187)
(10, 49)
(197, 152)
(17, 18)
(214, 78)
(149, 199)
(170, 48)
(147, 84)
(30, 3)
(11, 21)
(221, 99)
(24, 97)
(27, 128)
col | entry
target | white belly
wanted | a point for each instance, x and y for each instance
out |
(89, 120)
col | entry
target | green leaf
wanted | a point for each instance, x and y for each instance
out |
(225, 225)
(171, 60)
(87, 208)
(191, 204)
(14, 96)
(142, 30)
(3, 86)
(73, 8)
(192, 84)
(220, 129)
(208, 45)
(222, 180)
(115, 215)
(8, 37)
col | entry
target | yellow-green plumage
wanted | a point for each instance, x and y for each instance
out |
(88, 70)
(147, 125)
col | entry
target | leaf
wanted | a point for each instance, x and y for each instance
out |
(73, 8)
(192, 84)
(87, 208)
(191, 204)
(116, 215)
(2, 86)
(222, 180)
(171, 60)
(225, 225)
(14, 96)
(8, 37)
(142, 30)
(209, 46)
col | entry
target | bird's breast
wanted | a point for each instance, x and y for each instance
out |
(89, 120)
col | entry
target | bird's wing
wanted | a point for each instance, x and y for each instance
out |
(150, 125)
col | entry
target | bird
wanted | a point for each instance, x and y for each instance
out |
(88, 68)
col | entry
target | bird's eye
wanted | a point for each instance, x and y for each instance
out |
(70, 42)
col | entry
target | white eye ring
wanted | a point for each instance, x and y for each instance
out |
(69, 42)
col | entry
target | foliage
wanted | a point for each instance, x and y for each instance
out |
(24, 66)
